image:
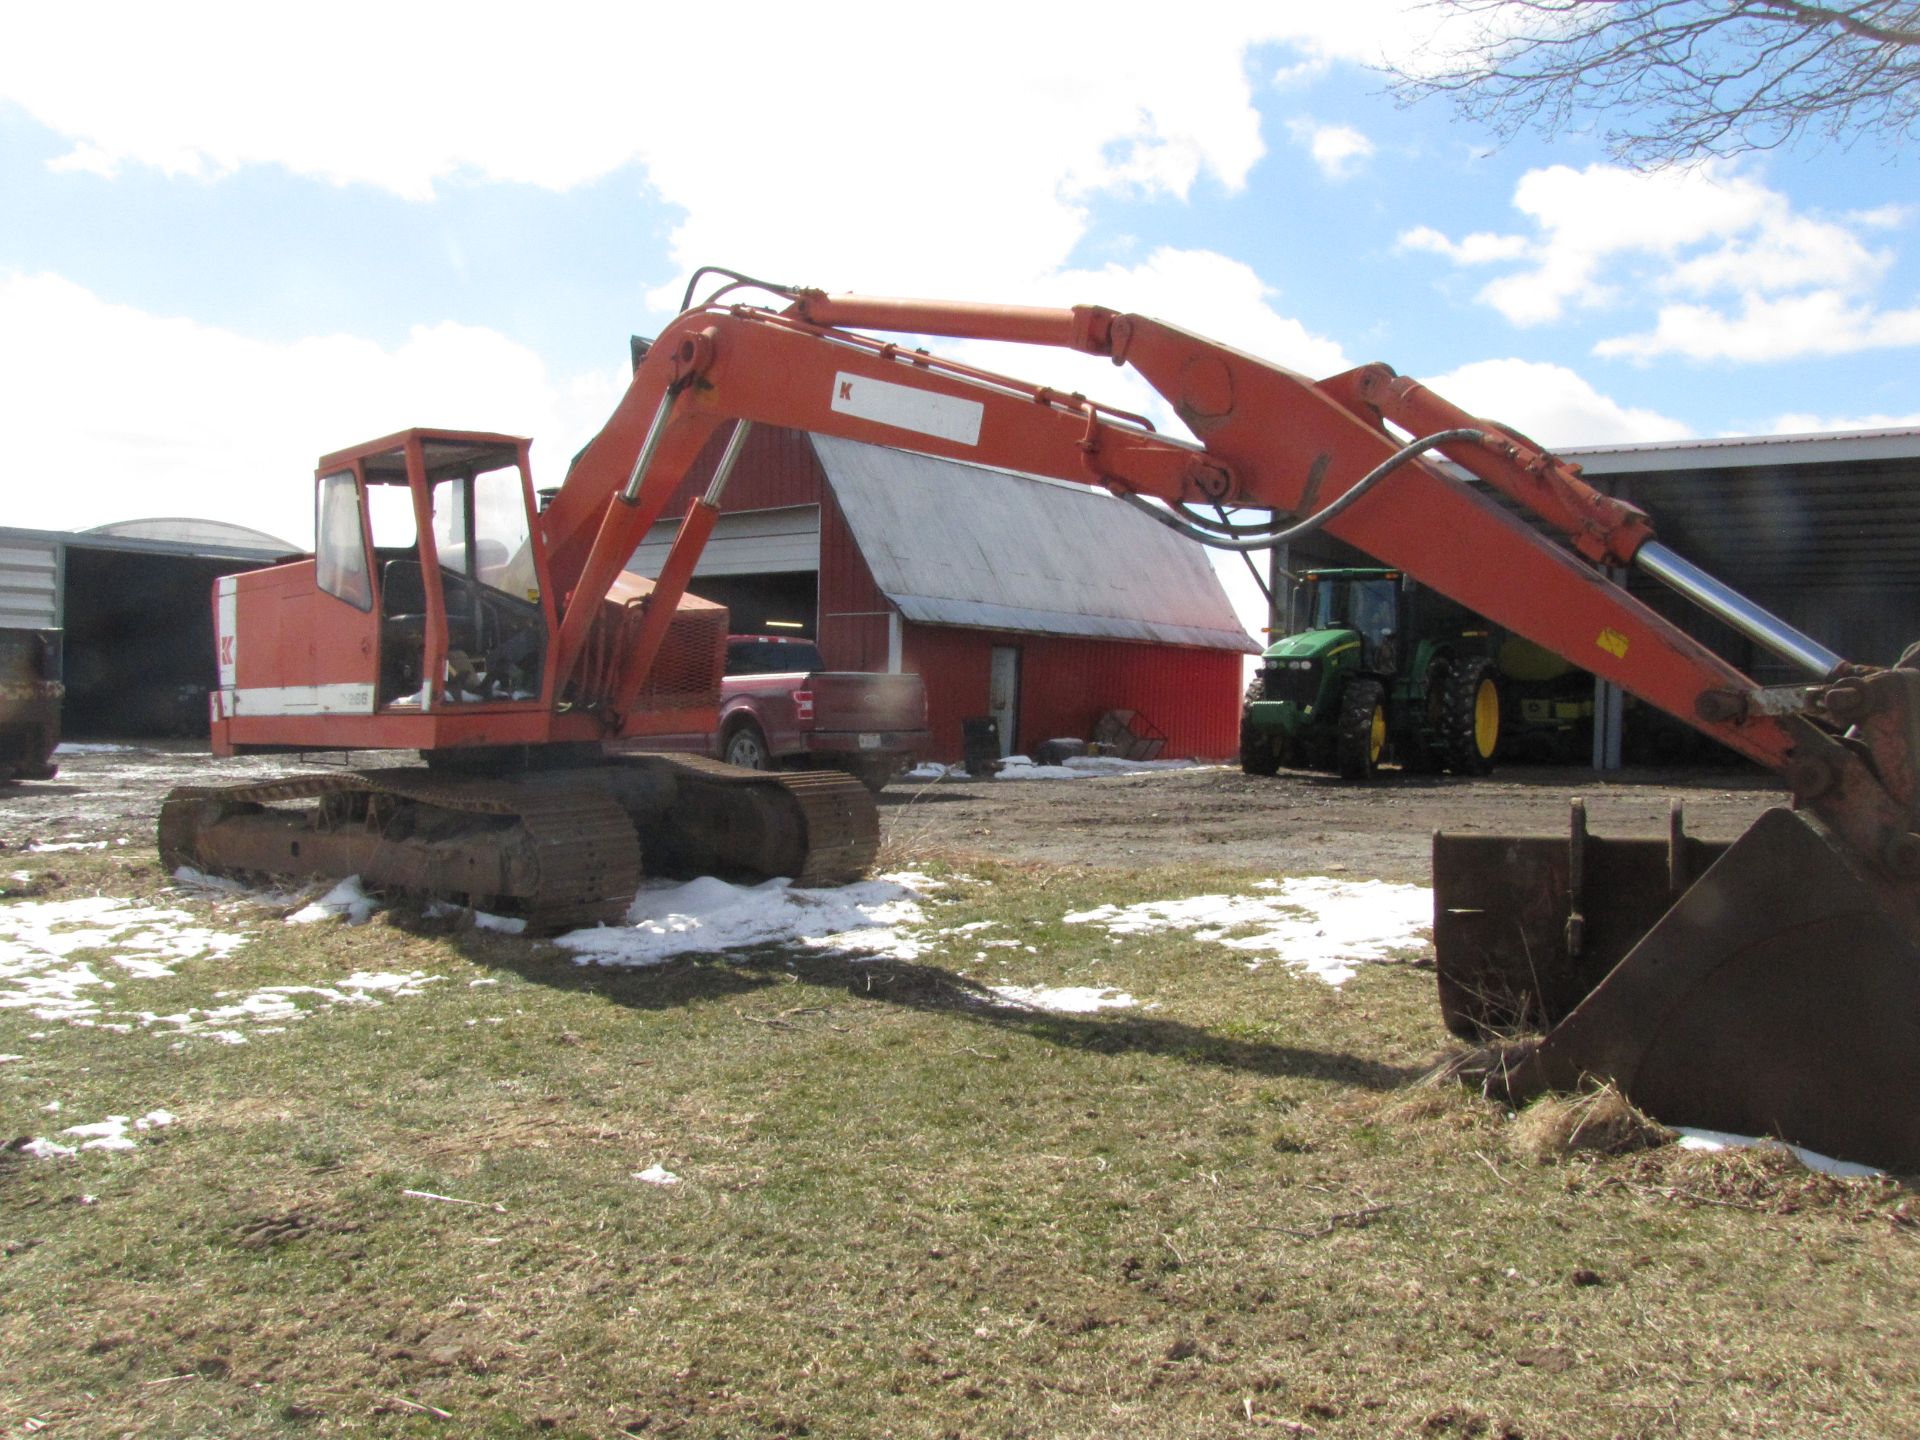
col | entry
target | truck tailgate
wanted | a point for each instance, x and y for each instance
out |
(850, 700)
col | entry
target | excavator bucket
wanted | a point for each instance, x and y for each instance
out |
(1775, 994)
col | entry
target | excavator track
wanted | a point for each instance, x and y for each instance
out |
(818, 826)
(560, 849)
(555, 856)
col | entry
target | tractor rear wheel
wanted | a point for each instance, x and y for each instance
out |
(1471, 716)
(1362, 738)
(1260, 750)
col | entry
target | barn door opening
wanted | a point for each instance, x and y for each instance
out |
(1003, 693)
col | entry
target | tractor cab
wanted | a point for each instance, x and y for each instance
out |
(429, 535)
(1366, 602)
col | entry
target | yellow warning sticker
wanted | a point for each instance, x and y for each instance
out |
(1613, 642)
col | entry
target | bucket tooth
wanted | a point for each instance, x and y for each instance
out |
(1525, 927)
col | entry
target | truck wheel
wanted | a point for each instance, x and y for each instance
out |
(747, 747)
(1472, 713)
(1363, 729)
(1259, 749)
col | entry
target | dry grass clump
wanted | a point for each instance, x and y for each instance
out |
(1771, 1180)
(1599, 1122)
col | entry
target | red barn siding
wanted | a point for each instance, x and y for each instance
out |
(1068, 683)
(778, 467)
(854, 615)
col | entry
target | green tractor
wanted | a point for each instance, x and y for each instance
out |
(1379, 670)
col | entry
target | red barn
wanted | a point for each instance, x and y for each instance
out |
(1043, 604)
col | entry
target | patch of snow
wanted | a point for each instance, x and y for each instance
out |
(709, 915)
(1085, 767)
(9, 1059)
(82, 747)
(1065, 999)
(657, 1175)
(143, 942)
(1692, 1139)
(407, 984)
(52, 846)
(479, 919)
(348, 900)
(108, 1134)
(199, 881)
(931, 770)
(1322, 926)
(483, 980)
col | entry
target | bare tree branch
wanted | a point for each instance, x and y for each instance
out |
(1682, 80)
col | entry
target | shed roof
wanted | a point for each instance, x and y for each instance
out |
(1771, 511)
(192, 530)
(957, 544)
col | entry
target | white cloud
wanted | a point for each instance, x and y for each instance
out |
(1819, 322)
(1339, 150)
(887, 146)
(1762, 282)
(1551, 403)
(134, 414)
(1807, 423)
(1483, 247)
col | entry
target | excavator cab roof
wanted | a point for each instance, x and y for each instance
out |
(446, 453)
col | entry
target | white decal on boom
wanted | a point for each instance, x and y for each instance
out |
(946, 417)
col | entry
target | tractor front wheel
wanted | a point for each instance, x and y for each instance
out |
(1472, 716)
(1260, 750)
(1363, 729)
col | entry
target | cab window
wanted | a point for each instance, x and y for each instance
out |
(339, 545)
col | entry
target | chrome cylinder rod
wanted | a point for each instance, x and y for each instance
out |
(656, 431)
(730, 457)
(1741, 613)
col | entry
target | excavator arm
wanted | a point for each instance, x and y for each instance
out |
(1711, 1016)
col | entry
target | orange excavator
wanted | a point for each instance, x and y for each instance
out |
(1773, 988)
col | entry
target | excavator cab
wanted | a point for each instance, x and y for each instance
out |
(432, 537)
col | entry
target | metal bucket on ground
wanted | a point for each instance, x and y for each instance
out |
(1765, 988)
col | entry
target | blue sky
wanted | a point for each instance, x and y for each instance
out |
(237, 236)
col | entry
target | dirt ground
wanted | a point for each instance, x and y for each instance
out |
(1307, 824)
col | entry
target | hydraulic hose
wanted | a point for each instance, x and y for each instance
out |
(1267, 539)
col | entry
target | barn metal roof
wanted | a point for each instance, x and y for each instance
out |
(957, 544)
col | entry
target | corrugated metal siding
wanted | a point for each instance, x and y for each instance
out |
(955, 544)
(29, 582)
(749, 542)
(1068, 683)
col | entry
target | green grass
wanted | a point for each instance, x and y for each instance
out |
(902, 1212)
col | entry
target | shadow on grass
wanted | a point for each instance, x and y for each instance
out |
(695, 979)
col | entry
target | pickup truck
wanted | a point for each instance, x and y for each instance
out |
(781, 708)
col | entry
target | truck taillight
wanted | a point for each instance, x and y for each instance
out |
(802, 704)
